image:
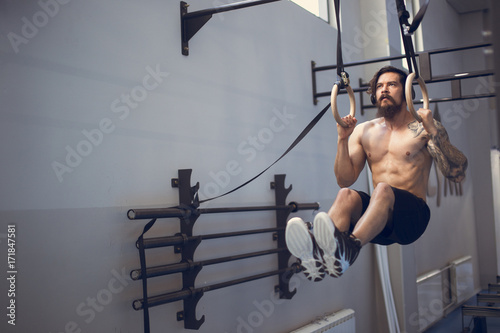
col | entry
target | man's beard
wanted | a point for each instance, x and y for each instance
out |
(388, 110)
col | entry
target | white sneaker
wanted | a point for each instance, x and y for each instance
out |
(301, 244)
(339, 249)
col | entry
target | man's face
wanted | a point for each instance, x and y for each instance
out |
(389, 94)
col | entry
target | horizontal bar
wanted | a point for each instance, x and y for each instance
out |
(494, 287)
(460, 48)
(183, 294)
(358, 63)
(443, 99)
(488, 298)
(480, 311)
(460, 76)
(461, 260)
(292, 206)
(180, 239)
(444, 78)
(431, 100)
(428, 276)
(242, 209)
(141, 214)
(397, 57)
(432, 274)
(184, 266)
(226, 8)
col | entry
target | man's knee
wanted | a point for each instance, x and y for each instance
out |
(383, 192)
(349, 199)
(346, 194)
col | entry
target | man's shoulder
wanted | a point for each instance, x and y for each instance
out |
(373, 121)
(370, 123)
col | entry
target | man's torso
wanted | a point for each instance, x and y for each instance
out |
(397, 157)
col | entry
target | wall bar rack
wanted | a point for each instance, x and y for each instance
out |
(186, 243)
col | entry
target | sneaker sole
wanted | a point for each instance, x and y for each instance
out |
(324, 231)
(300, 244)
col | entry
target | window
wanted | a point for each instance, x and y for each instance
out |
(317, 7)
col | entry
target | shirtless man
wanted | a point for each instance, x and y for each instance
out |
(399, 151)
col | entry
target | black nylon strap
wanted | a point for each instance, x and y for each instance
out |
(340, 61)
(407, 30)
(418, 18)
(343, 81)
(304, 132)
(142, 257)
(194, 206)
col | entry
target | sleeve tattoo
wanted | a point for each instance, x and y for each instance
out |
(451, 161)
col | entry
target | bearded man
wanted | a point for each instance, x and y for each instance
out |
(399, 151)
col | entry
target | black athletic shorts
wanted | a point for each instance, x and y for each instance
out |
(409, 220)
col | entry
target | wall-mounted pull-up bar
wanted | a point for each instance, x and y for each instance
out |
(424, 59)
(192, 22)
(157, 213)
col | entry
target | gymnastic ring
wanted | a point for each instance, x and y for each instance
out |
(335, 111)
(409, 97)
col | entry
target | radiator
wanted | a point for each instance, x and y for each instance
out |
(441, 291)
(339, 322)
(431, 292)
(462, 279)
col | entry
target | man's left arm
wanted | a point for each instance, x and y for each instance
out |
(451, 161)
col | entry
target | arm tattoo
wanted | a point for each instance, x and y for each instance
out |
(416, 128)
(451, 161)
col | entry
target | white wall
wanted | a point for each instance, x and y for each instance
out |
(461, 224)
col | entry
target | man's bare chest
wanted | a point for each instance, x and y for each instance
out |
(395, 146)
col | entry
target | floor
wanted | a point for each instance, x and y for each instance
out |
(453, 322)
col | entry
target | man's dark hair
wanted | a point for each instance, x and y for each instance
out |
(372, 85)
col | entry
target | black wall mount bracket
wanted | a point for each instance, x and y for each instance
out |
(192, 22)
(186, 242)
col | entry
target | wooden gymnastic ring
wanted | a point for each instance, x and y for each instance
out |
(335, 111)
(409, 95)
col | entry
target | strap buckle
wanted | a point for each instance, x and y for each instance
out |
(344, 80)
(406, 30)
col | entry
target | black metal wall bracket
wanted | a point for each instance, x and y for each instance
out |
(280, 194)
(186, 244)
(188, 198)
(192, 22)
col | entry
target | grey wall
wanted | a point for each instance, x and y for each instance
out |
(100, 110)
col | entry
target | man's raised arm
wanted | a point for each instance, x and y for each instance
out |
(451, 161)
(350, 158)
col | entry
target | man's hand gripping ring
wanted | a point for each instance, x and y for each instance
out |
(352, 100)
(409, 95)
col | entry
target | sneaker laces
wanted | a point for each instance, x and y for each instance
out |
(348, 248)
